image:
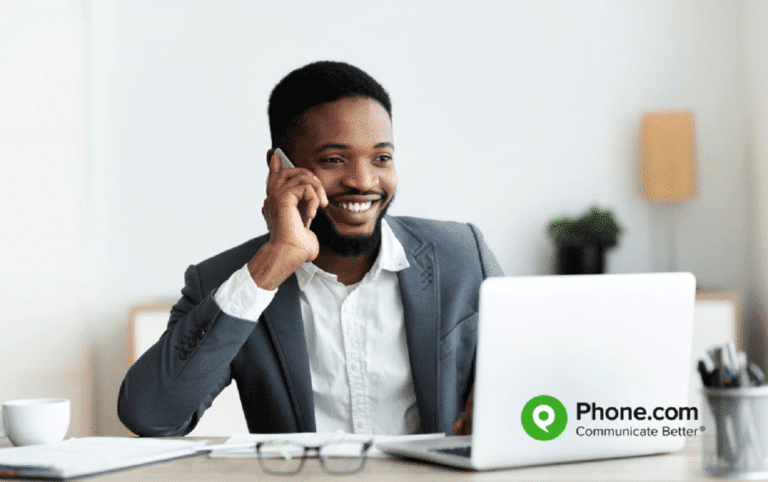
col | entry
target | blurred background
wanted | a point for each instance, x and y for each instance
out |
(133, 137)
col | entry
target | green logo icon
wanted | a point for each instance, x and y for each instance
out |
(544, 418)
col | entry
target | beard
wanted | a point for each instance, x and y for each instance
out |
(348, 245)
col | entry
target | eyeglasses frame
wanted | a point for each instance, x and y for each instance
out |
(366, 446)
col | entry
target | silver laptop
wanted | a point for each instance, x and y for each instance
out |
(576, 368)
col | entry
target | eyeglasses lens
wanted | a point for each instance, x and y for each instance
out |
(342, 457)
(281, 457)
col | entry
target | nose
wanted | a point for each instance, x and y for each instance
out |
(361, 175)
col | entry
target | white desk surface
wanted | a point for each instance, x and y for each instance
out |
(681, 466)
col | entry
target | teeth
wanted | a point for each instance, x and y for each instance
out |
(355, 207)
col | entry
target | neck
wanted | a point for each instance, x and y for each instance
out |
(348, 269)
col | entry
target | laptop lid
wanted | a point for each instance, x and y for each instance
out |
(582, 367)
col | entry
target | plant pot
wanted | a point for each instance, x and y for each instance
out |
(573, 259)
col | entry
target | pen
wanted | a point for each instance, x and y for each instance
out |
(706, 376)
(720, 367)
(756, 373)
(733, 360)
(743, 370)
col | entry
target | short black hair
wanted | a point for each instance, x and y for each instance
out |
(314, 84)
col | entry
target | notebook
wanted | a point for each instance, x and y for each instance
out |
(76, 457)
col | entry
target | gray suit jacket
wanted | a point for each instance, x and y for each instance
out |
(167, 390)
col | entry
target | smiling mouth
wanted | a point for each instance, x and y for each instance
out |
(354, 207)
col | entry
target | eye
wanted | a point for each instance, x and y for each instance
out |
(384, 158)
(331, 160)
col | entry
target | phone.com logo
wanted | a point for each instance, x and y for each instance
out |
(544, 418)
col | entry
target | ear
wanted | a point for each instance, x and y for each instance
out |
(269, 155)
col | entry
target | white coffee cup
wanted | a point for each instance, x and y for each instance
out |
(36, 420)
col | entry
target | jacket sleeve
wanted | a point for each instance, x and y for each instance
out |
(491, 268)
(170, 386)
(488, 261)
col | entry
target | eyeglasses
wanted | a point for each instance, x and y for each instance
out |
(337, 457)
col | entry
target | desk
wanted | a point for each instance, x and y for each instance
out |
(681, 466)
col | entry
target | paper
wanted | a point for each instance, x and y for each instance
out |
(89, 455)
(311, 439)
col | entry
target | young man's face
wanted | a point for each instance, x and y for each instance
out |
(348, 145)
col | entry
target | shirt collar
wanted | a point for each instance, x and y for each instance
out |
(391, 258)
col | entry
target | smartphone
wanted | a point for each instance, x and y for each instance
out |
(284, 159)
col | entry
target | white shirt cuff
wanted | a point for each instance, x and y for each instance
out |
(240, 297)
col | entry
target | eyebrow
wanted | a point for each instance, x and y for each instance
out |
(335, 145)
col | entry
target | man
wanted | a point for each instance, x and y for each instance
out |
(340, 317)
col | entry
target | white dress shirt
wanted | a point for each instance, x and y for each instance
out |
(358, 354)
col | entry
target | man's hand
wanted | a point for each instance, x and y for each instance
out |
(293, 198)
(463, 425)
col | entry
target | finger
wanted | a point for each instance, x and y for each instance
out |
(458, 426)
(310, 196)
(322, 197)
(274, 163)
(320, 189)
(308, 176)
(274, 169)
(462, 425)
(313, 203)
(278, 174)
(294, 192)
(289, 181)
(295, 187)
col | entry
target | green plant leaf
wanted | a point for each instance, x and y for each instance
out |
(594, 228)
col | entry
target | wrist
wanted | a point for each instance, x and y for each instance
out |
(273, 264)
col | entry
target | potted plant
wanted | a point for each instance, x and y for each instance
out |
(581, 243)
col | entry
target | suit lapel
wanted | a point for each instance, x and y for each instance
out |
(421, 312)
(285, 326)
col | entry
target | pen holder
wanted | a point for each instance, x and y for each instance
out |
(735, 439)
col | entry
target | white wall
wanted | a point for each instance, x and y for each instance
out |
(506, 114)
(755, 40)
(45, 335)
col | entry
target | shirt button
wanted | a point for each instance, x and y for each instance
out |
(360, 424)
(236, 308)
(355, 366)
